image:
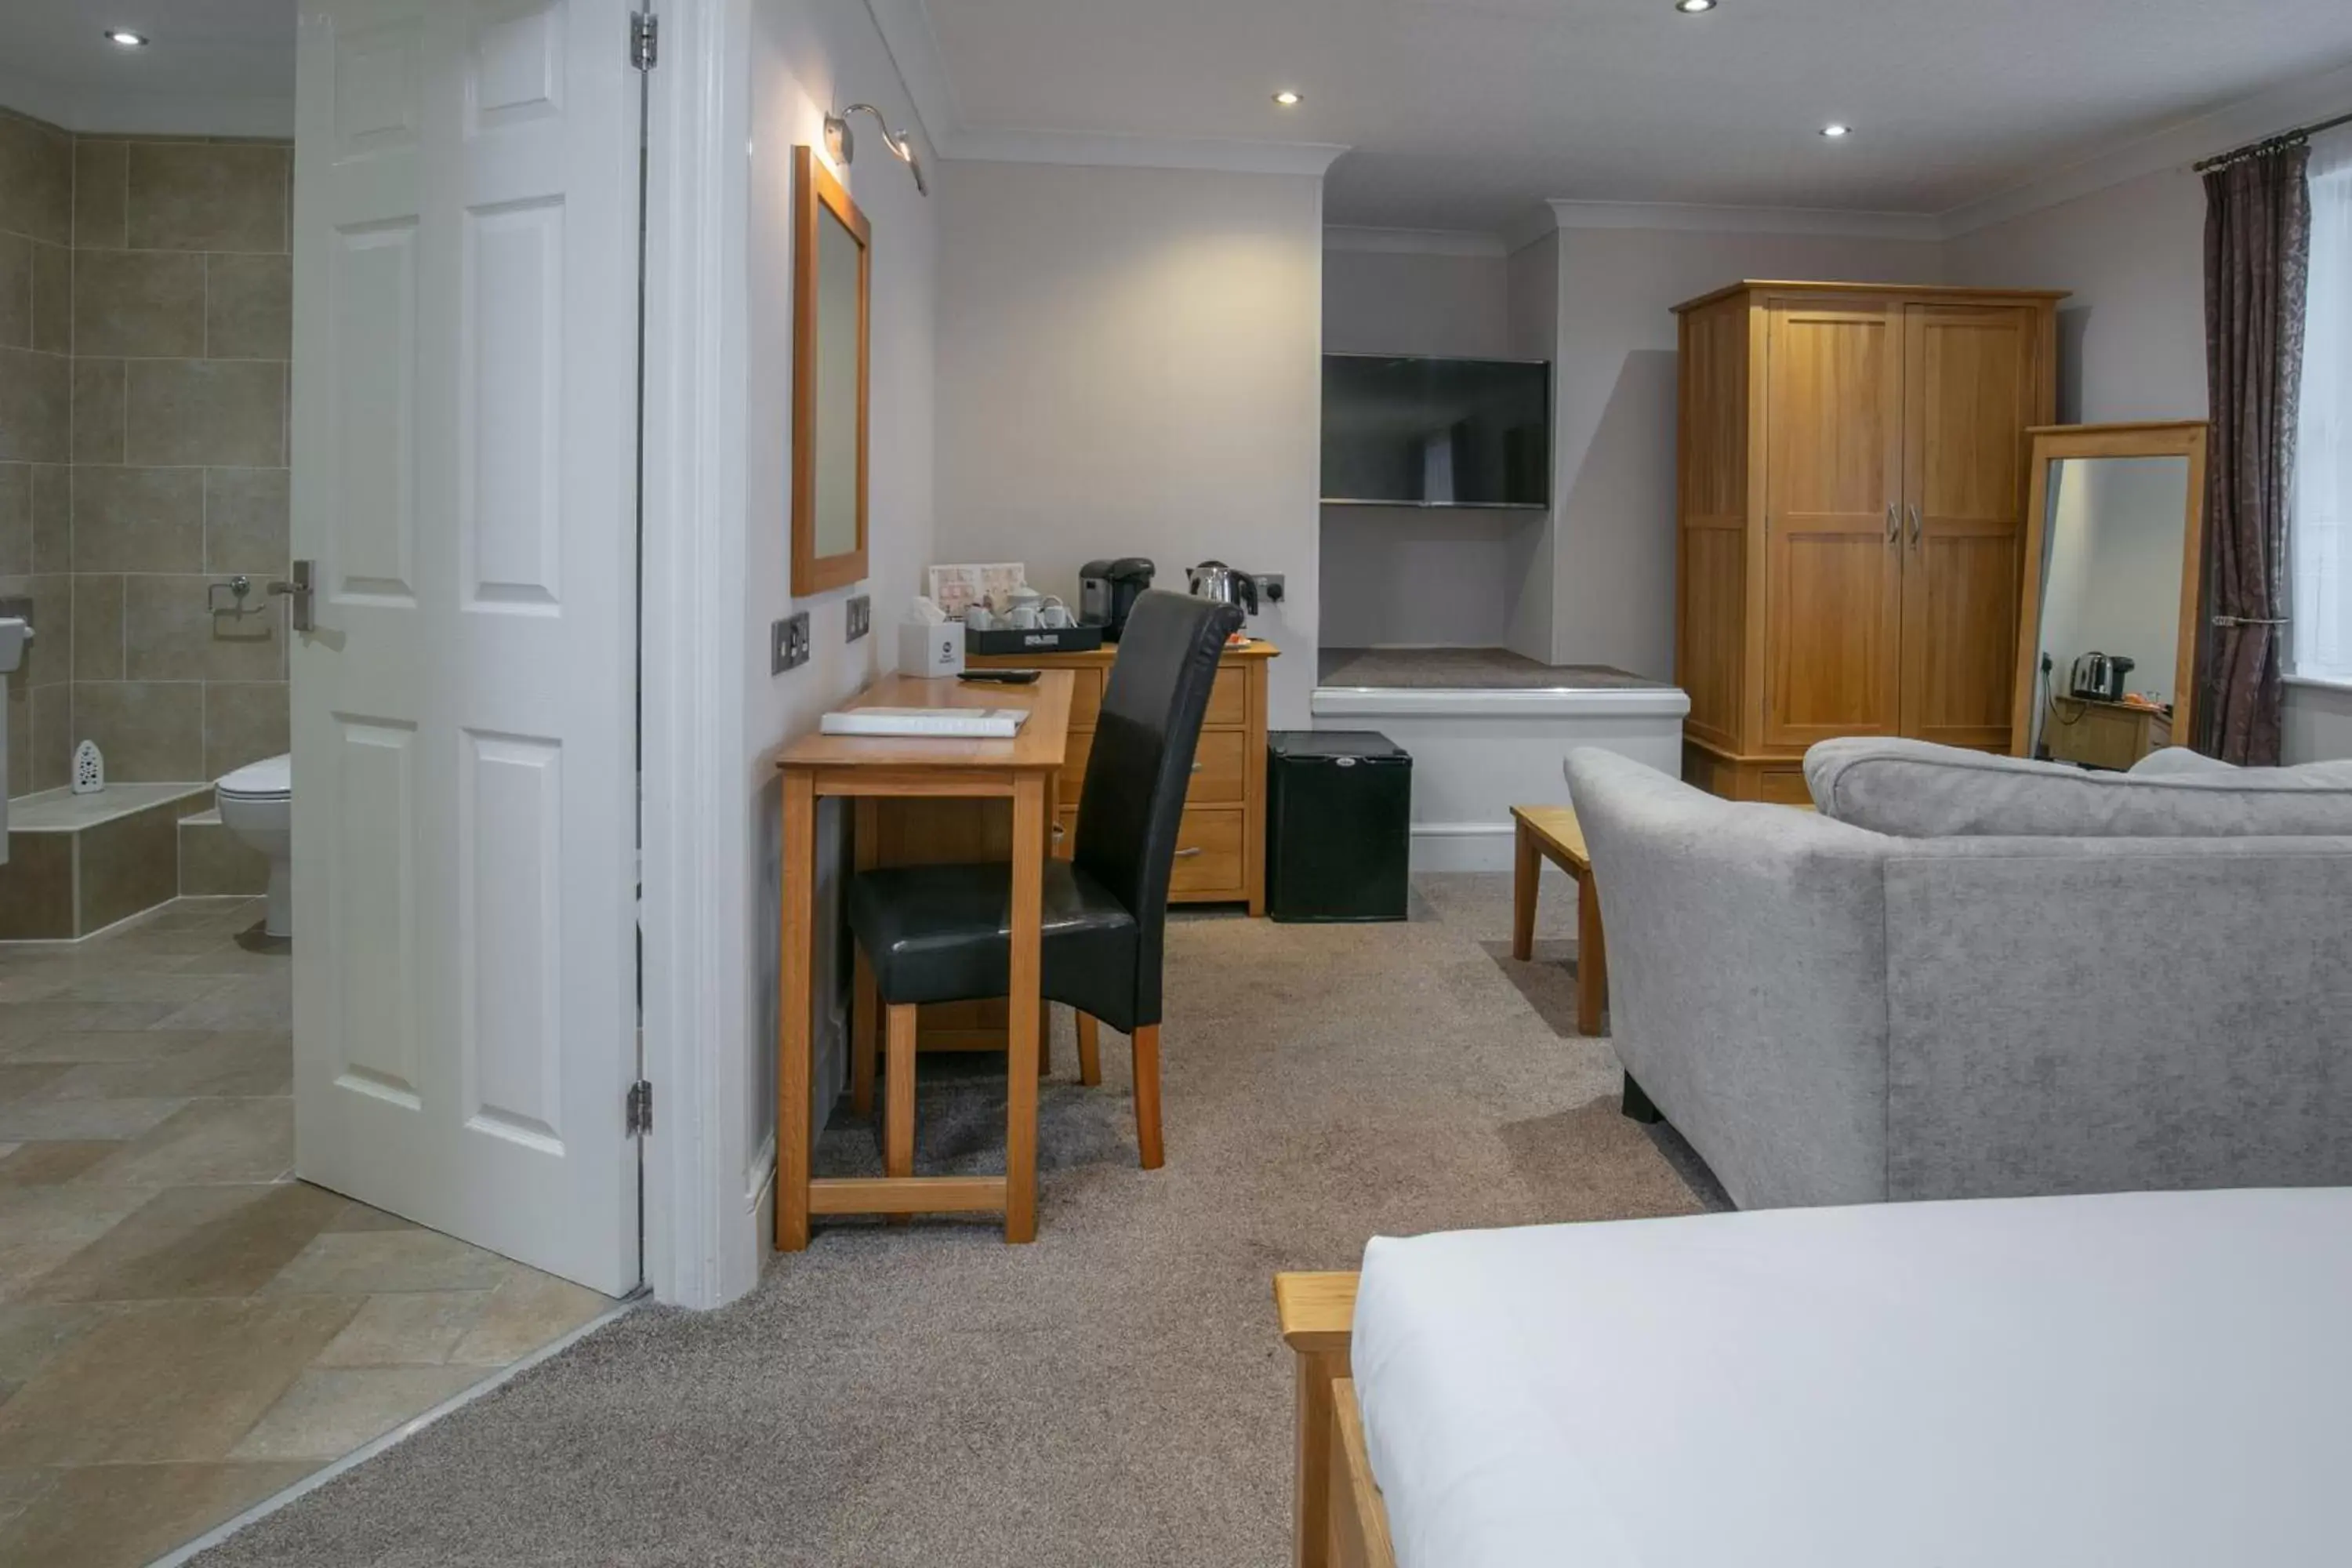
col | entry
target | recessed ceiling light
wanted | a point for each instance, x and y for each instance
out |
(126, 38)
(1286, 97)
(1835, 130)
(1694, 7)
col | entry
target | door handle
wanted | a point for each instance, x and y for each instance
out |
(1894, 524)
(1187, 854)
(298, 593)
(1196, 767)
(1915, 526)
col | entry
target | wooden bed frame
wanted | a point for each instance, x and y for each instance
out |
(1340, 1519)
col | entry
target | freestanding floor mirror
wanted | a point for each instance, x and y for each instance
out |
(2108, 634)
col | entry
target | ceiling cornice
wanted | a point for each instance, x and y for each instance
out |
(1211, 152)
(914, 50)
(1697, 218)
(1415, 241)
(2177, 146)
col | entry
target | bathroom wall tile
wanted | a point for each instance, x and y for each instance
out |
(151, 731)
(170, 633)
(15, 519)
(249, 307)
(245, 520)
(231, 413)
(48, 657)
(244, 722)
(207, 195)
(214, 861)
(35, 179)
(52, 737)
(52, 299)
(17, 713)
(129, 865)
(138, 520)
(98, 625)
(52, 492)
(98, 194)
(15, 292)
(36, 887)
(145, 303)
(97, 411)
(36, 406)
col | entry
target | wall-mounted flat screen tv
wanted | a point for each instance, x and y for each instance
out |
(1436, 432)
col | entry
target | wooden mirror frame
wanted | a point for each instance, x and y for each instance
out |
(2059, 443)
(815, 188)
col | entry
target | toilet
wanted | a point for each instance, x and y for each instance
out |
(257, 803)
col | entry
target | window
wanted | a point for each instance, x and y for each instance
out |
(2322, 532)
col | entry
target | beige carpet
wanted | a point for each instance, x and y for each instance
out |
(1113, 1394)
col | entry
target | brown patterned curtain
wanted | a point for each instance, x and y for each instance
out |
(2257, 254)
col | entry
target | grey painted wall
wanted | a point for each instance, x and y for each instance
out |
(1129, 363)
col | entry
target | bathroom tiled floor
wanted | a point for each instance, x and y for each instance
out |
(185, 1329)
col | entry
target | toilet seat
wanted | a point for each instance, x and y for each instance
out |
(270, 779)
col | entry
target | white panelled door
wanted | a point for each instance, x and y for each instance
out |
(464, 730)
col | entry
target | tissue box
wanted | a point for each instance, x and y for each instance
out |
(931, 648)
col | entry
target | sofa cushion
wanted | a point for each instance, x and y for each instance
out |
(1913, 789)
(2171, 762)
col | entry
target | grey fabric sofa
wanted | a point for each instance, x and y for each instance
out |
(1830, 1015)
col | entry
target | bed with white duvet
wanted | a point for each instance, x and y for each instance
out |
(2142, 1379)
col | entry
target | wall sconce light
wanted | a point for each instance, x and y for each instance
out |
(843, 146)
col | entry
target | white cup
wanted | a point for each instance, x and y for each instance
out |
(1053, 613)
(1021, 617)
(979, 618)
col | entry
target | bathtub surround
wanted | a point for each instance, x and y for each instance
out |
(36, 380)
(181, 335)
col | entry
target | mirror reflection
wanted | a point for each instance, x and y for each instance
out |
(2115, 550)
(839, 398)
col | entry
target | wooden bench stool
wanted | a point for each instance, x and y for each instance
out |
(1552, 833)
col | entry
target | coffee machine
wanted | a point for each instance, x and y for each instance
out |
(1108, 591)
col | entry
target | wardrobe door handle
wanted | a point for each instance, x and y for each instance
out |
(1894, 524)
(1915, 526)
(1187, 854)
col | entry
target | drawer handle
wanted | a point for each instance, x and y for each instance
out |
(1060, 831)
(1188, 854)
(1196, 767)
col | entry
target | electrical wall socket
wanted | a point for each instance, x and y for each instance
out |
(788, 643)
(861, 617)
(1270, 585)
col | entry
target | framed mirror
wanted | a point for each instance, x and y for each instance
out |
(832, 280)
(2107, 633)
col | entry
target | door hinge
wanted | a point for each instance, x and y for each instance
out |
(641, 1108)
(645, 39)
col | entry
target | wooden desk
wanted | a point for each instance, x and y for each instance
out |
(2111, 735)
(868, 768)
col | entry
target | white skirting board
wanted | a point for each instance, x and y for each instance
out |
(1477, 754)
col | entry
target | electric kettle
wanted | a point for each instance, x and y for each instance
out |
(2101, 676)
(1221, 584)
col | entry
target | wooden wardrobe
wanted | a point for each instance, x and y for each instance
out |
(1852, 494)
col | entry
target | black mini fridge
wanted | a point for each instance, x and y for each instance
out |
(1338, 825)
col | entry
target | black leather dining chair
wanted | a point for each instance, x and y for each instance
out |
(940, 933)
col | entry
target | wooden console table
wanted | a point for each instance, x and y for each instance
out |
(869, 770)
